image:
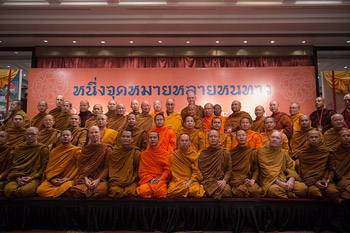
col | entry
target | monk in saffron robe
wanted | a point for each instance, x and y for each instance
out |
(225, 139)
(123, 168)
(254, 139)
(29, 163)
(269, 125)
(84, 113)
(17, 132)
(79, 135)
(196, 135)
(62, 120)
(6, 157)
(215, 165)
(294, 110)
(192, 111)
(61, 169)
(92, 121)
(135, 107)
(144, 119)
(317, 168)
(139, 135)
(342, 164)
(38, 120)
(185, 172)
(245, 169)
(108, 136)
(167, 136)
(157, 106)
(173, 119)
(154, 170)
(16, 109)
(112, 109)
(57, 111)
(218, 111)
(191, 99)
(277, 175)
(258, 123)
(321, 118)
(331, 138)
(232, 121)
(346, 111)
(91, 178)
(208, 117)
(118, 121)
(282, 120)
(49, 136)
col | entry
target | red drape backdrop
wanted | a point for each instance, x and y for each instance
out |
(170, 62)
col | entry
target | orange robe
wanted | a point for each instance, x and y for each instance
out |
(92, 121)
(8, 123)
(62, 121)
(295, 119)
(38, 120)
(342, 171)
(109, 136)
(154, 113)
(6, 157)
(155, 162)
(254, 140)
(80, 136)
(63, 163)
(331, 139)
(50, 137)
(145, 121)
(284, 122)
(17, 136)
(197, 138)
(207, 123)
(234, 119)
(200, 112)
(173, 121)
(258, 124)
(117, 122)
(225, 141)
(266, 139)
(167, 138)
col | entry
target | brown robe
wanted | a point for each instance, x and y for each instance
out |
(284, 122)
(266, 139)
(50, 137)
(17, 136)
(84, 116)
(80, 136)
(145, 121)
(299, 140)
(258, 124)
(38, 120)
(197, 138)
(92, 121)
(8, 123)
(140, 138)
(331, 138)
(342, 171)
(62, 121)
(198, 123)
(6, 157)
(117, 122)
(55, 112)
(200, 112)
(234, 119)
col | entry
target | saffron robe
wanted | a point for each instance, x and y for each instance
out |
(62, 121)
(55, 112)
(258, 124)
(266, 139)
(140, 138)
(167, 138)
(84, 116)
(296, 124)
(254, 140)
(234, 119)
(154, 113)
(117, 122)
(50, 137)
(197, 138)
(8, 123)
(225, 141)
(109, 136)
(198, 123)
(6, 157)
(173, 121)
(17, 136)
(145, 121)
(331, 138)
(283, 122)
(325, 118)
(342, 171)
(92, 121)
(200, 112)
(80, 136)
(299, 140)
(38, 120)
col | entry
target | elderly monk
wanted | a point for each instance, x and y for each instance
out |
(321, 118)
(254, 139)
(208, 117)
(185, 172)
(154, 170)
(196, 135)
(258, 123)
(92, 121)
(49, 136)
(112, 109)
(173, 119)
(342, 164)
(91, 178)
(317, 167)
(245, 169)
(135, 107)
(79, 135)
(62, 120)
(346, 111)
(215, 165)
(232, 121)
(84, 113)
(157, 106)
(294, 110)
(15, 108)
(225, 139)
(56, 111)
(144, 119)
(108, 136)
(269, 125)
(191, 99)
(6, 157)
(38, 119)
(167, 136)
(277, 175)
(192, 111)
(17, 131)
(139, 135)
(29, 163)
(123, 168)
(61, 168)
(331, 137)
(118, 121)
(282, 120)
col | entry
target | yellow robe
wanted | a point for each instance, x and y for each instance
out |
(254, 140)
(295, 119)
(173, 121)
(109, 136)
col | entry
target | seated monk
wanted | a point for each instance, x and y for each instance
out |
(217, 112)
(277, 175)
(61, 168)
(196, 135)
(154, 170)
(342, 164)
(62, 120)
(258, 123)
(225, 139)
(84, 113)
(185, 172)
(135, 107)
(167, 136)
(294, 110)
(144, 119)
(123, 168)
(57, 111)
(17, 131)
(16, 109)
(118, 120)
(191, 99)
(6, 157)
(254, 139)
(92, 121)
(232, 121)
(192, 111)
(173, 119)
(112, 109)
(79, 135)
(245, 168)
(38, 119)
(49, 136)
(269, 125)
(215, 165)
(282, 120)
(157, 106)
(317, 168)
(331, 137)
(108, 136)
(91, 178)
(29, 162)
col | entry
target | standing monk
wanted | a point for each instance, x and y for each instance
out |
(135, 107)
(282, 120)
(225, 139)
(157, 106)
(232, 121)
(294, 110)
(17, 131)
(56, 111)
(254, 139)
(38, 120)
(191, 99)
(84, 113)
(49, 136)
(342, 164)
(92, 121)
(208, 117)
(16, 109)
(258, 123)
(173, 119)
(218, 111)
(167, 136)
(112, 109)
(197, 137)
(6, 157)
(108, 136)
(346, 111)
(269, 125)
(62, 120)
(118, 121)
(154, 170)
(321, 118)
(144, 119)
(79, 135)
(192, 111)
(331, 137)
(215, 165)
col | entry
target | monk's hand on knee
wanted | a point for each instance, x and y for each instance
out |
(322, 184)
(188, 183)
(221, 184)
(290, 183)
(249, 182)
(55, 181)
(155, 180)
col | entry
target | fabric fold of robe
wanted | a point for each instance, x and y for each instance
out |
(234, 119)
(197, 138)
(50, 137)
(38, 120)
(173, 121)
(258, 124)
(145, 122)
(284, 123)
(167, 138)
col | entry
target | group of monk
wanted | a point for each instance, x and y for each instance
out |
(195, 153)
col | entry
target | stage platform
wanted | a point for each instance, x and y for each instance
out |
(168, 215)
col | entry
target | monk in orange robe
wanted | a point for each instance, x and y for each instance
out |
(258, 123)
(117, 122)
(191, 99)
(17, 132)
(167, 136)
(123, 168)
(294, 110)
(144, 119)
(16, 109)
(218, 111)
(91, 178)
(317, 168)
(196, 135)
(29, 162)
(92, 121)
(79, 135)
(225, 139)
(57, 111)
(154, 170)
(331, 138)
(61, 168)
(282, 120)
(232, 121)
(215, 165)
(254, 138)
(208, 117)
(245, 169)
(173, 119)
(6, 157)
(342, 164)
(157, 106)
(38, 119)
(269, 125)
(185, 172)
(108, 136)
(112, 109)
(192, 111)
(49, 136)
(62, 120)
(135, 107)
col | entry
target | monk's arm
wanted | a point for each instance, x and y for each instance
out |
(136, 163)
(228, 168)
(201, 142)
(196, 173)
(83, 138)
(4, 174)
(330, 169)
(255, 167)
(172, 141)
(166, 170)
(44, 159)
(288, 126)
(228, 142)
(290, 169)
(104, 172)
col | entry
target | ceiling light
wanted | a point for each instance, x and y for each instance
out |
(24, 75)
(159, 41)
(74, 41)
(8, 66)
(245, 42)
(272, 41)
(131, 42)
(103, 42)
(348, 41)
(218, 42)
(345, 67)
(45, 41)
(303, 42)
(16, 52)
(187, 42)
(0, 41)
